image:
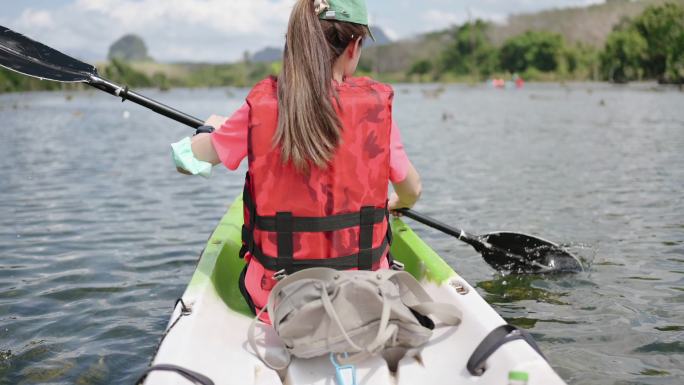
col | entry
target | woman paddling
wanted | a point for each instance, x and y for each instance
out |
(322, 149)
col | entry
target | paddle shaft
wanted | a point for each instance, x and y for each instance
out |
(473, 240)
(470, 239)
(125, 94)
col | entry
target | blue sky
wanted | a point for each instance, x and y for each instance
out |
(221, 30)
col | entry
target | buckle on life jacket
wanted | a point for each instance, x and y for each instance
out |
(280, 275)
(397, 266)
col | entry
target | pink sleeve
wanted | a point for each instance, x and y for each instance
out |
(230, 141)
(399, 163)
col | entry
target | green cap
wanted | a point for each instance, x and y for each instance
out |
(518, 376)
(351, 11)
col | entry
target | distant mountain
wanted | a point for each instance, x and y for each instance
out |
(271, 54)
(380, 36)
(589, 25)
(267, 55)
(130, 48)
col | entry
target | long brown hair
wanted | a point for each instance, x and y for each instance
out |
(308, 125)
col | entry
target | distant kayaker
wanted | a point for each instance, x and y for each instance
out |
(322, 149)
(519, 81)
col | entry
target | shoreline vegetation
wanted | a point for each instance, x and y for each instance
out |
(644, 44)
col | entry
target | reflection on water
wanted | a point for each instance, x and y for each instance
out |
(662, 347)
(670, 328)
(516, 288)
(99, 235)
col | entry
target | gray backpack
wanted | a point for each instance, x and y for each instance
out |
(319, 311)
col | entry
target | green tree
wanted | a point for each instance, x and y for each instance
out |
(651, 46)
(161, 81)
(365, 65)
(8, 82)
(675, 61)
(539, 50)
(581, 61)
(122, 73)
(662, 27)
(624, 55)
(471, 52)
(421, 67)
(12, 82)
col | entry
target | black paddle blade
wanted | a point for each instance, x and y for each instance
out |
(521, 253)
(21, 54)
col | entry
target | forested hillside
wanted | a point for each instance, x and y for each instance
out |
(586, 25)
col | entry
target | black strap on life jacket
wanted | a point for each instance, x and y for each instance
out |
(284, 224)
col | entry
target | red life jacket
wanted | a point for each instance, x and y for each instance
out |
(335, 217)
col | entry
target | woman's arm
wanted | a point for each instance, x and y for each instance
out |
(404, 177)
(407, 192)
(204, 150)
(202, 147)
(194, 154)
(227, 145)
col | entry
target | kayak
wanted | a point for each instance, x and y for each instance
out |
(207, 332)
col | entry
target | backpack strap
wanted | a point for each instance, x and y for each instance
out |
(446, 312)
(315, 273)
(251, 338)
(320, 273)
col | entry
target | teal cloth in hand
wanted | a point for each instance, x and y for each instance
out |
(185, 159)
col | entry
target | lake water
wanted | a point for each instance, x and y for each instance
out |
(99, 234)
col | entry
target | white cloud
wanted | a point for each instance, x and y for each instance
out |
(438, 19)
(39, 19)
(189, 30)
(236, 16)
